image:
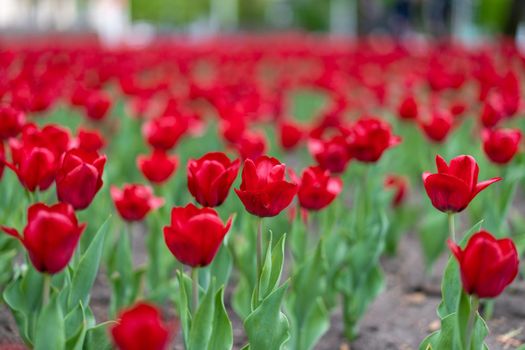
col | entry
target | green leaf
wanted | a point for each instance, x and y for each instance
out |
(85, 273)
(50, 328)
(183, 303)
(272, 268)
(97, 337)
(317, 322)
(222, 337)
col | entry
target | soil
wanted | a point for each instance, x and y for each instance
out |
(398, 319)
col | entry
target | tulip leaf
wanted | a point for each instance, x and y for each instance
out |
(267, 327)
(97, 337)
(50, 328)
(317, 322)
(85, 273)
(183, 303)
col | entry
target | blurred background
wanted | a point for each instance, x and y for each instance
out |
(114, 19)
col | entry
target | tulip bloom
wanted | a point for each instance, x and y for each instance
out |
(164, 132)
(195, 234)
(264, 190)
(251, 145)
(501, 145)
(157, 167)
(34, 166)
(79, 177)
(317, 189)
(400, 185)
(331, 154)
(97, 105)
(455, 185)
(408, 109)
(134, 201)
(290, 134)
(140, 327)
(369, 138)
(438, 127)
(90, 140)
(11, 122)
(50, 236)
(487, 265)
(210, 178)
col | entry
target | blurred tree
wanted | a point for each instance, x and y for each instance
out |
(172, 12)
(493, 14)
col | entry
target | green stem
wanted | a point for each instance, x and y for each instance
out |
(195, 289)
(452, 230)
(46, 289)
(259, 257)
(474, 306)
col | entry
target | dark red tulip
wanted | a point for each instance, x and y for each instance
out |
(290, 134)
(50, 236)
(195, 234)
(369, 138)
(493, 111)
(210, 178)
(438, 126)
(158, 166)
(488, 265)
(11, 122)
(408, 108)
(79, 177)
(251, 145)
(97, 105)
(164, 132)
(501, 145)
(455, 185)
(140, 327)
(331, 154)
(134, 201)
(264, 190)
(90, 140)
(317, 188)
(399, 184)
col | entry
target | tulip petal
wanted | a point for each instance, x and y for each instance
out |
(484, 184)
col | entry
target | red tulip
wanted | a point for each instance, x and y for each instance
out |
(251, 145)
(264, 190)
(408, 108)
(140, 327)
(164, 132)
(493, 111)
(134, 201)
(317, 189)
(290, 134)
(50, 236)
(487, 265)
(34, 166)
(195, 235)
(90, 140)
(97, 105)
(369, 138)
(501, 145)
(210, 178)
(2, 159)
(157, 167)
(439, 125)
(400, 185)
(454, 186)
(11, 122)
(330, 154)
(79, 177)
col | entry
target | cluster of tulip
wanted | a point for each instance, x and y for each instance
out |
(74, 116)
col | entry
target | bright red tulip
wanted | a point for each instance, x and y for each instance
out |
(140, 327)
(493, 111)
(210, 178)
(501, 145)
(134, 201)
(455, 185)
(408, 108)
(369, 138)
(251, 145)
(264, 190)
(157, 167)
(164, 132)
(317, 189)
(90, 140)
(11, 122)
(97, 105)
(50, 236)
(290, 134)
(400, 185)
(79, 177)
(195, 234)
(438, 127)
(331, 154)
(34, 166)
(487, 265)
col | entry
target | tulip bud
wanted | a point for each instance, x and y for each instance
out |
(90, 140)
(369, 138)
(157, 167)
(11, 122)
(330, 154)
(317, 189)
(134, 201)
(97, 105)
(501, 145)
(290, 134)
(438, 127)
(164, 132)
(408, 109)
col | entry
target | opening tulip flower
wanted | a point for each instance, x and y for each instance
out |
(487, 265)
(140, 327)
(330, 154)
(264, 190)
(455, 185)
(501, 145)
(50, 236)
(369, 138)
(90, 140)
(157, 167)
(164, 132)
(211, 177)
(134, 201)
(438, 127)
(11, 122)
(317, 189)
(195, 234)
(79, 177)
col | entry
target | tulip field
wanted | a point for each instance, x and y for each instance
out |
(262, 192)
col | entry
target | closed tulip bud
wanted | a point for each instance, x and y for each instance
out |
(369, 138)
(251, 145)
(97, 105)
(140, 327)
(438, 126)
(317, 189)
(134, 201)
(487, 265)
(90, 140)
(408, 108)
(50, 236)
(164, 132)
(79, 177)
(11, 122)
(331, 154)
(34, 166)
(455, 185)
(195, 234)
(157, 167)
(264, 190)
(210, 178)
(501, 145)
(290, 134)
(493, 111)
